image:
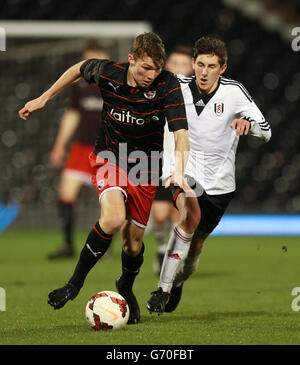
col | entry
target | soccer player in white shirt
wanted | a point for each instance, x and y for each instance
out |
(219, 111)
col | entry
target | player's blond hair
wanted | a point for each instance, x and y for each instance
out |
(150, 44)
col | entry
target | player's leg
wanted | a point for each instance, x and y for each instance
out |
(212, 209)
(186, 269)
(190, 264)
(132, 257)
(161, 227)
(70, 186)
(164, 215)
(112, 217)
(177, 251)
(76, 172)
(139, 202)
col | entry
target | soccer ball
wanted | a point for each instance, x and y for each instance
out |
(107, 310)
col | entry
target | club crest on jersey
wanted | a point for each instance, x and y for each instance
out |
(150, 94)
(100, 184)
(219, 108)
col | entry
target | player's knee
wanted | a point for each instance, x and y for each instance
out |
(111, 224)
(162, 226)
(132, 247)
(159, 220)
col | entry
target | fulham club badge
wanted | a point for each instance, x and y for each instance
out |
(219, 108)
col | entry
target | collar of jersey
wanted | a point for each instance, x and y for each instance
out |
(197, 96)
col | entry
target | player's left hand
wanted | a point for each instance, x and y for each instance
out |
(242, 126)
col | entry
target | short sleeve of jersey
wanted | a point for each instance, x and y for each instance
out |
(92, 69)
(174, 106)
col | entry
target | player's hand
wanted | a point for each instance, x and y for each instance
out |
(32, 106)
(242, 126)
(178, 180)
(57, 156)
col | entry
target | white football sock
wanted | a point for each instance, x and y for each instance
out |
(177, 251)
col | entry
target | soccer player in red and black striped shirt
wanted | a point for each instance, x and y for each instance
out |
(138, 97)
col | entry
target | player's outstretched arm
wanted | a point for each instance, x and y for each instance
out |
(68, 78)
(260, 130)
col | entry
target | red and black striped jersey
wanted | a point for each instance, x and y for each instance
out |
(134, 118)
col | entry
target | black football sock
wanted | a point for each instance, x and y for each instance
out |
(130, 269)
(66, 214)
(96, 245)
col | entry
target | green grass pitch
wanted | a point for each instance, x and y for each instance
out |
(240, 294)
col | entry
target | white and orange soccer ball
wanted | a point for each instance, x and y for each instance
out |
(107, 310)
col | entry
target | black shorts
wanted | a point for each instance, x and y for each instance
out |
(212, 206)
(162, 194)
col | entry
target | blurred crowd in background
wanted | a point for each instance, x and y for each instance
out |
(259, 56)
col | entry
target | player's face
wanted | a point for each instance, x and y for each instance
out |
(179, 63)
(207, 70)
(142, 71)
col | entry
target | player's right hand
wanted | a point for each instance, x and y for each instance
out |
(32, 106)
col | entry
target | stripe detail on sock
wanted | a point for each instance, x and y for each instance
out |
(102, 234)
(184, 237)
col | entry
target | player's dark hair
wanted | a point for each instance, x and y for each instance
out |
(213, 46)
(182, 49)
(150, 44)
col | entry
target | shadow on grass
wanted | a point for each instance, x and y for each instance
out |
(211, 317)
(47, 331)
(211, 274)
(51, 334)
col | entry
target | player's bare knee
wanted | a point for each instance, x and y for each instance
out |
(132, 247)
(159, 220)
(161, 224)
(111, 224)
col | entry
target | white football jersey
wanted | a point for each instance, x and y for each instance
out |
(213, 143)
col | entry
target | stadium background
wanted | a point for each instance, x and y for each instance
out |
(258, 36)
